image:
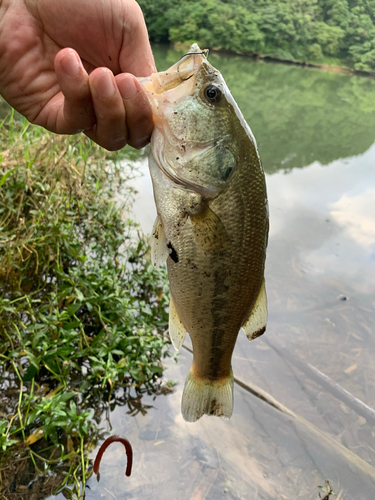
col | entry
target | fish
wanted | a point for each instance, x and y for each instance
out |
(211, 226)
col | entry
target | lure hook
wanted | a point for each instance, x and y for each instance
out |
(203, 52)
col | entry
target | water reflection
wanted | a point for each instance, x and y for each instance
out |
(321, 287)
(261, 453)
(328, 216)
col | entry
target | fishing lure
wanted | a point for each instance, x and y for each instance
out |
(104, 446)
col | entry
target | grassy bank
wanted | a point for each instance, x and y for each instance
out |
(81, 307)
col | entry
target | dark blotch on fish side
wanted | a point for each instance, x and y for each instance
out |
(173, 254)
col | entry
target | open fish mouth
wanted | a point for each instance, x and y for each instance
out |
(182, 71)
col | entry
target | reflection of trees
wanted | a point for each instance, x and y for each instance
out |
(298, 115)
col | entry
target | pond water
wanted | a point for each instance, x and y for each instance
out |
(306, 389)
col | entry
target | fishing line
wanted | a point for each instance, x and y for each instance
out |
(255, 391)
(203, 52)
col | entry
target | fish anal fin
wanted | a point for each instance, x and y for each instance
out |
(177, 331)
(255, 325)
(207, 397)
(159, 249)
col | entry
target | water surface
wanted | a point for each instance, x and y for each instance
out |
(315, 131)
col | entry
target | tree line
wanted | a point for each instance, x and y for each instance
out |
(320, 31)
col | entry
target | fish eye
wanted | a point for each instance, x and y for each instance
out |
(212, 93)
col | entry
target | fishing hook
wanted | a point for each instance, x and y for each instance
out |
(204, 52)
(104, 446)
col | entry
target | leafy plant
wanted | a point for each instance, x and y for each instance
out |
(81, 307)
(4, 441)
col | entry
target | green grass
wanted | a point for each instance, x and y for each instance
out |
(81, 307)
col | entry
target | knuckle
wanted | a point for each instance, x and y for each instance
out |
(116, 143)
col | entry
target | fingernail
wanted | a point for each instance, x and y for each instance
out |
(127, 88)
(105, 85)
(71, 64)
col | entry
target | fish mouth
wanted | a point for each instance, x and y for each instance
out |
(182, 71)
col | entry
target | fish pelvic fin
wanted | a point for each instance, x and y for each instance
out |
(207, 397)
(159, 249)
(177, 331)
(255, 325)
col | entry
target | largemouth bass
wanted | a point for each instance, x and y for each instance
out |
(212, 224)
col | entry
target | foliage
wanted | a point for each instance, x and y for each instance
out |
(300, 30)
(81, 307)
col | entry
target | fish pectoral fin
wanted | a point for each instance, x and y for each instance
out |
(159, 249)
(255, 325)
(177, 331)
(209, 231)
(207, 397)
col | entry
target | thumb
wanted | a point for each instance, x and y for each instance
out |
(136, 55)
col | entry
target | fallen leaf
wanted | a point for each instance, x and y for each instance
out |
(34, 437)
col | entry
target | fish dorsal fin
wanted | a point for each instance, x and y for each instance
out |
(159, 249)
(255, 324)
(177, 331)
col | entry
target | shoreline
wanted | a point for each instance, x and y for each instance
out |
(292, 62)
(307, 64)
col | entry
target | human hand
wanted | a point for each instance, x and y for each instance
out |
(68, 65)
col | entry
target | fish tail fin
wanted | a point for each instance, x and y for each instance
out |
(207, 397)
